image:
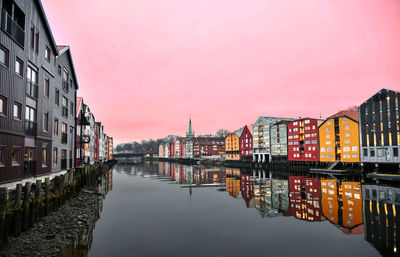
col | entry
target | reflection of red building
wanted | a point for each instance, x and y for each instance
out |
(246, 144)
(181, 173)
(304, 198)
(172, 171)
(247, 188)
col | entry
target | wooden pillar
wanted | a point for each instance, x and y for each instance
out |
(26, 201)
(47, 194)
(16, 225)
(3, 211)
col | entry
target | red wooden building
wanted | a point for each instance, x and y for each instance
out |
(246, 144)
(172, 150)
(303, 140)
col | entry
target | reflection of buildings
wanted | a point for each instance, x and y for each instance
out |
(109, 180)
(262, 194)
(304, 197)
(342, 204)
(280, 195)
(209, 176)
(381, 205)
(233, 181)
(247, 189)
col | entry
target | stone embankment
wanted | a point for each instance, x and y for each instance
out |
(42, 218)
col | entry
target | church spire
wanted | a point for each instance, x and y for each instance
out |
(190, 132)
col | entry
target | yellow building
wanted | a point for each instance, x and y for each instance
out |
(232, 149)
(339, 138)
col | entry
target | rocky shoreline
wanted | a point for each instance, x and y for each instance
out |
(71, 224)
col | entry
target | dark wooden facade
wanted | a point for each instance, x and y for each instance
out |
(379, 128)
(23, 25)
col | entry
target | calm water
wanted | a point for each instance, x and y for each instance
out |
(175, 210)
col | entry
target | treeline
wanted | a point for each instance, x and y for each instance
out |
(150, 146)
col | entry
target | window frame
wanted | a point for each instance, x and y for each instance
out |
(47, 54)
(2, 155)
(46, 122)
(18, 162)
(4, 106)
(19, 73)
(19, 117)
(46, 87)
(6, 55)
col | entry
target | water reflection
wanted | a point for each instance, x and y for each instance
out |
(347, 204)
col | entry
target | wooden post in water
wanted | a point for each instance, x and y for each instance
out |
(37, 200)
(47, 194)
(25, 215)
(16, 226)
(3, 211)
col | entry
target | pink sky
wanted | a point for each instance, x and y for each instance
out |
(145, 66)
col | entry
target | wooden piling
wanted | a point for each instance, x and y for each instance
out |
(25, 204)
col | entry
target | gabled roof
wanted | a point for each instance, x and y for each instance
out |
(66, 49)
(381, 91)
(79, 105)
(267, 120)
(47, 26)
(350, 114)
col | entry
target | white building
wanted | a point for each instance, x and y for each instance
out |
(188, 149)
(278, 135)
(261, 138)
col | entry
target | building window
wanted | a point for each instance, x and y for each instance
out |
(65, 78)
(3, 105)
(55, 156)
(372, 153)
(47, 87)
(354, 148)
(365, 152)
(44, 157)
(17, 111)
(47, 54)
(395, 152)
(344, 120)
(46, 122)
(65, 107)
(56, 127)
(30, 114)
(347, 134)
(19, 67)
(15, 156)
(347, 127)
(59, 70)
(64, 133)
(37, 42)
(32, 75)
(32, 37)
(2, 156)
(3, 56)
(72, 109)
(57, 97)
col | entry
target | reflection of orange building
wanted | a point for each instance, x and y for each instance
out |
(342, 204)
(109, 180)
(233, 181)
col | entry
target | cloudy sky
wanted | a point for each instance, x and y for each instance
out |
(146, 66)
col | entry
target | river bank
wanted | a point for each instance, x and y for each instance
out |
(59, 229)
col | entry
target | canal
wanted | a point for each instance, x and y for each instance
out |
(165, 209)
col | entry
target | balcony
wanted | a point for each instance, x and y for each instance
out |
(12, 28)
(63, 164)
(30, 128)
(32, 89)
(65, 86)
(64, 138)
(65, 111)
(85, 139)
(29, 168)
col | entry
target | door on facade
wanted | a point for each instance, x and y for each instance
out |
(29, 162)
(63, 159)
